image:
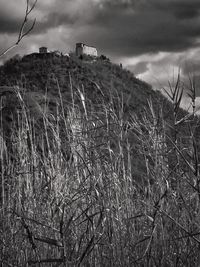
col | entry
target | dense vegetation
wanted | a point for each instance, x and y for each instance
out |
(41, 72)
(97, 169)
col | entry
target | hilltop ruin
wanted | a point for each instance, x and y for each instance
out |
(83, 49)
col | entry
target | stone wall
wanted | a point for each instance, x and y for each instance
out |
(43, 50)
(83, 49)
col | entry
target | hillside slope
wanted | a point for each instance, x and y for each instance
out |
(45, 78)
(96, 168)
(99, 78)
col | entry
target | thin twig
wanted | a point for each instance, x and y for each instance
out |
(22, 32)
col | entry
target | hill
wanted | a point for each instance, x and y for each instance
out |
(97, 169)
(99, 76)
(44, 78)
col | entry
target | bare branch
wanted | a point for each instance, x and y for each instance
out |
(22, 32)
(27, 32)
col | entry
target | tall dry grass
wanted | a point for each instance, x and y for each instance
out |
(69, 196)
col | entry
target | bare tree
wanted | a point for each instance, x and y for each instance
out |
(22, 31)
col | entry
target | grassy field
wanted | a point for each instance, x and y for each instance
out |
(87, 185)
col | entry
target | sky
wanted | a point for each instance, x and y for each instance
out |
(155, 39)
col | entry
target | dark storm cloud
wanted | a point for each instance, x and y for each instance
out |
(12, 15)
(182, 9)
(120, 27)
(9, 25)
(145, 27)
(53, 20)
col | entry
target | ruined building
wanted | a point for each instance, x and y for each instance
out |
(43, 50)
(83, 49)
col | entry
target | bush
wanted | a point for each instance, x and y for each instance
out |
(104, 58)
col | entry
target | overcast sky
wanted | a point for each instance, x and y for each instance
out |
(152, 38)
